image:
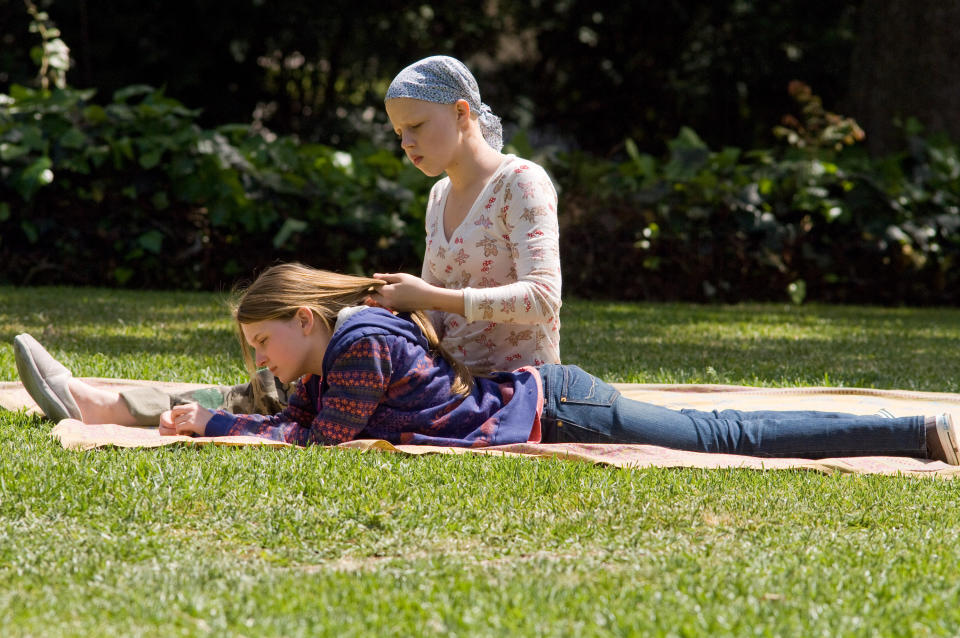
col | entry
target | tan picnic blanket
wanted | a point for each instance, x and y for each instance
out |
(78, 436)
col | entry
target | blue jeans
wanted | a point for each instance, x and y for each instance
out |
(578, 407)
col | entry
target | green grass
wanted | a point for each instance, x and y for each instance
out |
(313, 542)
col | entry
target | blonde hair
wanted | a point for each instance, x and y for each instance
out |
(283, 289)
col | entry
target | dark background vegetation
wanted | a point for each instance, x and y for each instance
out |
(662, 124)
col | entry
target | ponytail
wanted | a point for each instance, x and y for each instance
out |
(463, 379)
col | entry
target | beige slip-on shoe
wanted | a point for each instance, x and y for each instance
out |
(949, 438)
(45, 379)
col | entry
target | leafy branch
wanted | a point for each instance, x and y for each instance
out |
(53, 54)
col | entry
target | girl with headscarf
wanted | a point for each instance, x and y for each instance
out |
(491, 269)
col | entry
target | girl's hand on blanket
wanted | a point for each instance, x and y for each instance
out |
(166, 424)
(188, 418)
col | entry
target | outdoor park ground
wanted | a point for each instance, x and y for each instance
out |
(316, 542)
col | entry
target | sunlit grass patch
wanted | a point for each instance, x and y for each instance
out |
(317, 542)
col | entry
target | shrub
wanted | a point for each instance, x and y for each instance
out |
(764, 224)
(137, 194)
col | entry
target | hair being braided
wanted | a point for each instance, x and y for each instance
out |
(283, 289)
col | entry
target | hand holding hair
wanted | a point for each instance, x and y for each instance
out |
(404, 292)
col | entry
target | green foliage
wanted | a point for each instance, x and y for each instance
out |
(591, 73)
(52, 56)
(136, 193)
(794, 223)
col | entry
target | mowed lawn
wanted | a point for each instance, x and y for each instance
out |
(317, 542)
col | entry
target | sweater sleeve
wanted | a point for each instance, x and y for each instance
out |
(356, 384)
(533, 238)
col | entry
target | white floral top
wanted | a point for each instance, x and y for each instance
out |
(505, 256)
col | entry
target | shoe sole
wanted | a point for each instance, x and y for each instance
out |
(952, 447)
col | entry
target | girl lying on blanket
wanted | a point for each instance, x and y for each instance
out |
(491, 270)
(365, 372)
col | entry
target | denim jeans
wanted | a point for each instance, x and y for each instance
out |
(578, 407)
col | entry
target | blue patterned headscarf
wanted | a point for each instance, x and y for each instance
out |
(444, 80)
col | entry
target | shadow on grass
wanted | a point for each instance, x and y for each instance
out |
(63, 306)
(192, 342)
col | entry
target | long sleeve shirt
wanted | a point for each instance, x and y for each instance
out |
(505, 257)
(380, 381)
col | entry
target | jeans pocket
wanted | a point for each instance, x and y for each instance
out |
(570, 432)
(582, 388)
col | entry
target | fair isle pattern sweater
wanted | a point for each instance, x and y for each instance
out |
(505, 257)
(380, 381)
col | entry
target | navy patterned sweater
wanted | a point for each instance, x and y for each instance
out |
(380, 381)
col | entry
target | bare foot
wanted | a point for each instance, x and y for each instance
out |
(98, 405)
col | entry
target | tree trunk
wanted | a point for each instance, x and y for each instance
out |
(906, 63)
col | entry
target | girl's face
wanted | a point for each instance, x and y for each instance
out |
(429, 133)
(288, 348)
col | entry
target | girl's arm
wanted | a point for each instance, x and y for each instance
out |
(530, 221)
(356, 384)
(405, 292)
(533, 241)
